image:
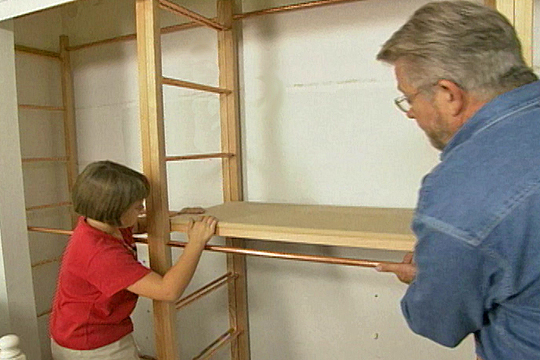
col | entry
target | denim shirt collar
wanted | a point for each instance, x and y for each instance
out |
(492, 112)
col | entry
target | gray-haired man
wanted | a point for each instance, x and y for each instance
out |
(476, 265)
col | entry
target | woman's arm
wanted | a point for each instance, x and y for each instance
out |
(171, 286)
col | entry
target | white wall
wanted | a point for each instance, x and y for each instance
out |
(17, 306)
(12, 8)
(42, 135)
(319, 127)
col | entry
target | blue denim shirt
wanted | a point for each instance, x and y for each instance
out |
(478, 228)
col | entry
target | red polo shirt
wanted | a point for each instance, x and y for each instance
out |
(91, 306)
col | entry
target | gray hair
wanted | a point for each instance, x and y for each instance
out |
(469, 44)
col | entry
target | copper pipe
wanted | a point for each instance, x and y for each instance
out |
(199, 156)
(180, 10)
(194, 86)
(147, 357)
(191, 25)
(260, 253)
(50, 230)
(45, 159)
(286, 256)
(224, 339)
(206, 289)
(179, 27)
(41, 107)
(165, 30)
(46, 312)
(280, 9)
(48, 261)
(103, 42)
(46, 206)
(39, 52)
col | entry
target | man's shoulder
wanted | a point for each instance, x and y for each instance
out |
(475, 193)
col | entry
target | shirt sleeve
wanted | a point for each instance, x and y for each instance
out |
(446, 300)
(114, 268)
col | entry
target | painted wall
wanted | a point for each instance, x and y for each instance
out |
(319, 127)
(17, 304)
(12, 8)
(42, 135)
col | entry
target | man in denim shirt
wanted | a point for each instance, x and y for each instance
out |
(476, 265)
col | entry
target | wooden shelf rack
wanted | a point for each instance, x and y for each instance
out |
(358, 227)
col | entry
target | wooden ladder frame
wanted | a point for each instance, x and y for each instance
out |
(70, 141)
(68, 113)
(154, 164)
(520, 14)
(151, 81)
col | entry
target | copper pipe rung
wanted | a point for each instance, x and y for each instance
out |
(180, 10)
(103, 42)
(287, 256)
(206, 289)
(261, 253)
(46, 159)
(194, 86)
(190, 25)
(199, 156)
(179, 27)
(294, 7)
(47, 206)
(50, 230)
(34, 51)
(46, 312)
(41, 107)
(129, 37)
(224, 339)
(48, 261)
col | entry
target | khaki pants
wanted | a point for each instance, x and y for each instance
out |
(123, 349)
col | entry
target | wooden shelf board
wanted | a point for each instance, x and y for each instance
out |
(365, 227)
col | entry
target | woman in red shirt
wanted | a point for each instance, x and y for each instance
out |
(100, 278)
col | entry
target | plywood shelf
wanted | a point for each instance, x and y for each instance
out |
(364, 227)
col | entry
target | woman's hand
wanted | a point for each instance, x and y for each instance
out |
(201, 230)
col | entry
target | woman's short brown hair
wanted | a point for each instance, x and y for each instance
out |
(105, 190)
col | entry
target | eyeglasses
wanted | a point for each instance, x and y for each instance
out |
(403, 102)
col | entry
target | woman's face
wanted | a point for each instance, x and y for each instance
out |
(129, 218)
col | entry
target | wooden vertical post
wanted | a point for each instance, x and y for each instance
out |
(70, 135)
(232, 171)
(153, 148)
(505, 7)
(520, 14)
(523, 22)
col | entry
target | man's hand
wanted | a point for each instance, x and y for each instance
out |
(406, 271)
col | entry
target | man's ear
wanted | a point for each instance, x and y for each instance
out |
(451, 97)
